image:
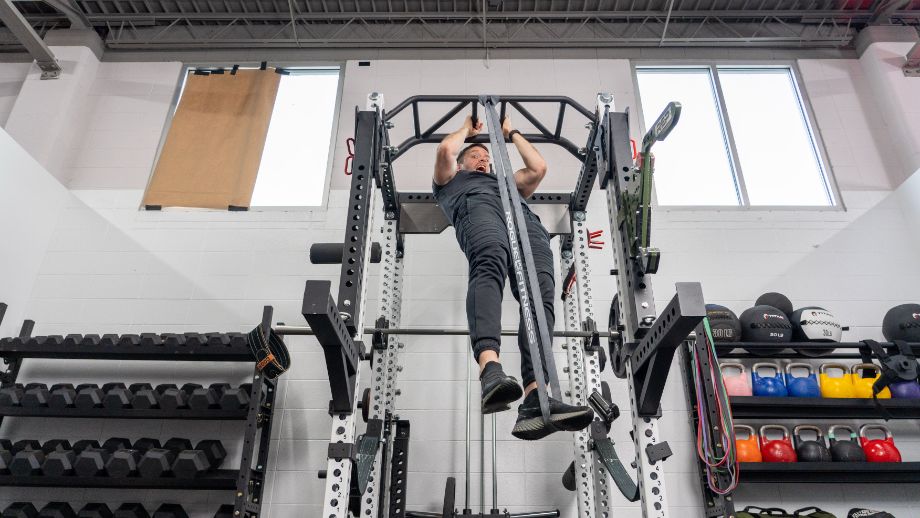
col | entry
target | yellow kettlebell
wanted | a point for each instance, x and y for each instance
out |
(841, 387)
(862, 387)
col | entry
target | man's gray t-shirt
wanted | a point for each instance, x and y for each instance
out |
(451, 194)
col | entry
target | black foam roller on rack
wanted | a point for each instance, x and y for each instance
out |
(331, 253)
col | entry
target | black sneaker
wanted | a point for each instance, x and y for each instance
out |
(498, 389)
(530, 426)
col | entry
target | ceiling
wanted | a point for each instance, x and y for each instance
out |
(162, 25)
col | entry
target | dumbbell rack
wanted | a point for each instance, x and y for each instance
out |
(247, 481)
(817, 409)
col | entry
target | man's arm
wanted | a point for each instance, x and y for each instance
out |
(445, 164)
(528, 178)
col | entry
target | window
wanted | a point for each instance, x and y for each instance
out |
(295, 159)
(249, 139)
(744, 138)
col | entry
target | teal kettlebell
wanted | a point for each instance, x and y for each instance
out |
(802, 386)
(768, 386)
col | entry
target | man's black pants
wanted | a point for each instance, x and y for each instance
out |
(483, 236)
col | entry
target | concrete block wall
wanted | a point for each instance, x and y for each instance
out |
(111, 268)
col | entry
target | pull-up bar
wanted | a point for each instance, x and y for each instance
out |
(544, 135)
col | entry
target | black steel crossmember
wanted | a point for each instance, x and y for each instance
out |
(342, 353)
(357, 227)
(399, 470)
(652, 356)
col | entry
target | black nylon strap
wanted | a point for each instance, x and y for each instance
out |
(272, 357)
(525, 272)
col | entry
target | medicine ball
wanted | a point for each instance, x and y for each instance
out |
(814, 324)
(725, 326)
(765, 324)
(902, 323)
(777, 300)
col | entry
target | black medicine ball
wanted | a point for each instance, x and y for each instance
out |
(777, 300)
(902, 323)
(765, 324)
(725, 326)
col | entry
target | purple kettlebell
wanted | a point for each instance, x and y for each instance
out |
(905, 389)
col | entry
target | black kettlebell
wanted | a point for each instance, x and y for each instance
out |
(810, 451)
(845, 451)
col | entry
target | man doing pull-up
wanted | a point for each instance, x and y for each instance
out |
(467, 192)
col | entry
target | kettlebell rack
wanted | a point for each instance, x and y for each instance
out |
(817, 409)
(247, 481)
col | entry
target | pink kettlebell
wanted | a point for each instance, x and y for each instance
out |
(738, 385)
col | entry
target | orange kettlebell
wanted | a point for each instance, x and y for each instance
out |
(739, 385)
(747, 450)
(862, 386)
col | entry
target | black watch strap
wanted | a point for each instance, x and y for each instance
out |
(512, 133)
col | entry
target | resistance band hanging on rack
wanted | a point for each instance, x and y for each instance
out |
(718, 465)
(538, 337)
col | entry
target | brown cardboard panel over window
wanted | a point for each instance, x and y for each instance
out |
(214, 145)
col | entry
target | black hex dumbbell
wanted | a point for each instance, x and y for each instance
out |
(132, 510)
(72, 340)
(92, 460)
(117, 396)
(90, 340)
(205, 398)
(89, 396)
(11, 395)
(124, 463)
(235, 398)
(151, 339)
(206, 456)
(20, 510)
(62, 462)
(195, 339)
(157, 462)
(57, 510)
(94, 510)
(129, 340)
(109, 340)
(62, 396)
(35, 395)
(27, 459)
(143, 396)
(6, 456)
(170, 511)
(171, 397)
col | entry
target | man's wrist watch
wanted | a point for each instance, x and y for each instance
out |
(512, 133)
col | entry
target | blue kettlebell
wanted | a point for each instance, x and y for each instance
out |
(768, 387)
(802, 386)
(905, 389)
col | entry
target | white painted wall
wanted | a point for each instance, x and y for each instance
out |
(899, 99)
(11, 77)
(110, 268)
(31, 201)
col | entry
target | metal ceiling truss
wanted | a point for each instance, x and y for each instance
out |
(208, 24)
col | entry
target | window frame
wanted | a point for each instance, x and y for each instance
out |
(811, 127)
(187, 68)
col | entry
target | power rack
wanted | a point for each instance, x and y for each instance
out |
(366, 474)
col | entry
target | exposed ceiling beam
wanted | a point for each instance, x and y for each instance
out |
(22, 29)
(840, 16)
(73, 13)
